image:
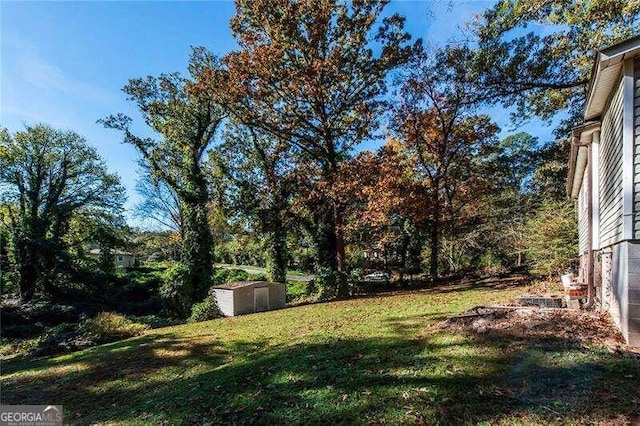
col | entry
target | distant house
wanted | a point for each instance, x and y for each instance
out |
(121, 258)
(247, 297)
(604, 181)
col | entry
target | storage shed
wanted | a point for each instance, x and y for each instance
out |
(247, 297)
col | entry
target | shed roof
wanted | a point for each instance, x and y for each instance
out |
(241, 284)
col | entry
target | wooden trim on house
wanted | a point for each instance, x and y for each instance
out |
(627, 150)
(595, 190)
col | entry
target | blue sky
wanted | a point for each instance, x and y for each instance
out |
(64, 63)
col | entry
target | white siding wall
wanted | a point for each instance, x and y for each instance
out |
(636, 150)
(583, 221)
(611, 172)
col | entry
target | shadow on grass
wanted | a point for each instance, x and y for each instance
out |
(449, 379)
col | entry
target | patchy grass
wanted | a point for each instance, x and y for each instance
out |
(367, 360)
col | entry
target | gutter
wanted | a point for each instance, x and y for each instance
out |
(576, 144)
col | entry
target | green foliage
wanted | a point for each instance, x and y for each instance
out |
(54, 340)
(205, 310)
(175, 290)
(48, 178)
(551, 238)
(276, 249)
(108, 327)
(224, 275)
(184, 112)
(382, 360)
(542, 73)
(307, 74)
(257, 277)
(296, 290)
(261, 170)
(143, 277)
(325, 283)
(549, 178)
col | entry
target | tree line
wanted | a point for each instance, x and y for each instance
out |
(264, 142)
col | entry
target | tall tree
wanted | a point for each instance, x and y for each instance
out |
(435, 121)
(508, 169)
(262, 170)
(541, 74)
(184, 112)
(386, 202)
(312, 73)
(46, 177)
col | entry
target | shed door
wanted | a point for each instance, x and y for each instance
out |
(261, 298)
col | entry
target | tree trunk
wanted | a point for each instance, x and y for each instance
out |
(343, 287)
(197, 244)
(277, 253)
(403, 257)
(326, 259)
(197, 251)
(435, 228)
(27, 269)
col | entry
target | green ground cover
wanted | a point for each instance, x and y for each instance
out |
(367, 360)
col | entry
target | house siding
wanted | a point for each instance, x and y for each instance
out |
(636, 149)
(611, 194)
(620, 261)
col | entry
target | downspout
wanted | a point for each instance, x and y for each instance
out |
(589, 272)
(591, 288)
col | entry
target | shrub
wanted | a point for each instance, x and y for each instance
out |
(173, 291)
(108, 326)
(325, 283)
(223, 275)
(551, 237)
(56, 339)
(296, 290)
(257, 277)
(205, 310)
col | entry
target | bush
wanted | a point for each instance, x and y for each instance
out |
(153, 321)
(173, 290)
(108, 326)
(223, 275)
(257, 277)
(325, 283)
(205, 310)
(551, 237)
(296, 290)
(61, 338)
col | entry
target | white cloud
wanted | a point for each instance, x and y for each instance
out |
(37, 72)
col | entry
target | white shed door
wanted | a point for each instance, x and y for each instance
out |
(261, 298)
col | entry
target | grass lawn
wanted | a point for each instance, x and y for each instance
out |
(367, 360)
